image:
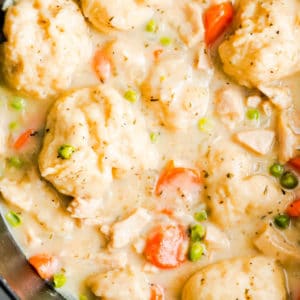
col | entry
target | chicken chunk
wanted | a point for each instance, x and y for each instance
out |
(189, 23)
(280, 96)
(229, 103)
(107, 137)
(288, 135)
(259, 140)
(203, 60)
(235, 193)
(176, 93)
(256, 278)
(273, 243)
(118, 14)
(109, 260)
(127, 230)
(47, 41)
(31, 194)
(120, 285)
(254, 101)
(215, 238)
(265, 46)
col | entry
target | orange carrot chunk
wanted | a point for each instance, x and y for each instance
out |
(295, 163)
(157, 53)
(45, 265)
(216, 19)
(171, 175)
(102, 65)
(166, 246)
(157, 292)
(23, 139)
(293, 209)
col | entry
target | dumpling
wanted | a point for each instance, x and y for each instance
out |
(47, 40)
(225, 157)
(266, 44)
(102, 136)
(176, 93)
(235, 191)
(117, 14)
(256, 278)
(120, 285)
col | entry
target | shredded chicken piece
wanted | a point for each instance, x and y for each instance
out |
(125, 231)
(289, 140)
(229, 104)
(273, 243)
(279, 96)
(259, 140)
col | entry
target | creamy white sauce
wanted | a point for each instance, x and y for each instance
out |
(79, 249)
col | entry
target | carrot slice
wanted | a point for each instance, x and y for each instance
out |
(216, 19)
(166, 246)
(295, 163)
(157, 53)
(157, 292)
(102, 65)
(293, 209)
(167, 212)
(171, 174)
(23, 139)
(45, 265)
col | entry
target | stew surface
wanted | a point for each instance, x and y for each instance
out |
(149, 149)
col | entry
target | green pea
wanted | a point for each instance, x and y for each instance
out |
(131, 96)
(205, 125)
(197, 232)
(151, 26)
(196, 251)
(153, 137)
(83, 297)
(59, 280)
(253, 114)
(13, 126)
(200, 216)
(18, 103)
(289, 180)
(165, 41)
(15, 162)
(65, 151)
(276, 170)
(282, 221)
(13, 219)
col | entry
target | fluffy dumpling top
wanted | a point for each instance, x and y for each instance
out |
(93, 135)
(46, 42)
(122, 284)
(235, 191)
(266, 45)
(256, 278)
